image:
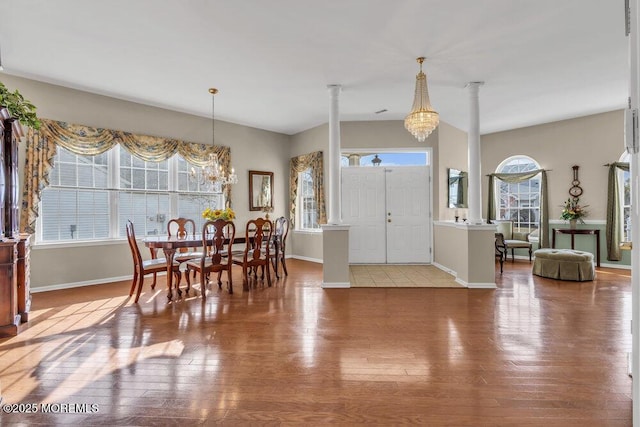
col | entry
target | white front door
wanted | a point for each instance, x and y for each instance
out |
(388, 211)
(408, 215)
(363, 208)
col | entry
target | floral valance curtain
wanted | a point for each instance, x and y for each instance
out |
(514, 178)
(300, 164)
(89, 141)
(614, 214)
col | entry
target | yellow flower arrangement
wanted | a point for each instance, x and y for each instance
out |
(212, 214)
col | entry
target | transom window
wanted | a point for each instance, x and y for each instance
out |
(92, 197)
(519, 202)
(385, 159)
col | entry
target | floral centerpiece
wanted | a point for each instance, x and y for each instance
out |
(212, 214)
(572, 210)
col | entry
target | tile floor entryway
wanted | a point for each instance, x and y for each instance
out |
(400, 276)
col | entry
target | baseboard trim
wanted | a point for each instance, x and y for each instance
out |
(445, 269)
(304, 258)
(336, 285)
(106, 280)
(479, 285)
(619, 266)
(473, 285)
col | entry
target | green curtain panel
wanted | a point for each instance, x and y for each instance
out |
(614, 213)
(89, 141)
(514, 178)
(300, 164)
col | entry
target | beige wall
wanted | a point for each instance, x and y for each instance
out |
(453, 153)
(250, 149)
(588, 142)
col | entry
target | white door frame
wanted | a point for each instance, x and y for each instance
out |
(427, 150)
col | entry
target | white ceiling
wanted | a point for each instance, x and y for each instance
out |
(541, 60)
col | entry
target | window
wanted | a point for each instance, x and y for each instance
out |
(519, 202)
(92, 197)
(308, 210)
(624, 178)
(386, 159)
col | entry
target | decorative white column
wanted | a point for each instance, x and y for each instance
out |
(334, 156)
(335, 235)
(634, 103)
(475, 178)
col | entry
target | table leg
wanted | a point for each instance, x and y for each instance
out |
(277, 250)
(168, 254)
(598, 248)
(553, 238)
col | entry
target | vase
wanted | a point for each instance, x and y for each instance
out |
(573, 223)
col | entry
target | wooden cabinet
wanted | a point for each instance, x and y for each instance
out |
(15, 293)
(11, 132)
(23, 279)
(9, 317)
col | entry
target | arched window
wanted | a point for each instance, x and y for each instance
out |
(519, 202)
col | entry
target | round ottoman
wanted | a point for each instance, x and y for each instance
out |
(564, 264)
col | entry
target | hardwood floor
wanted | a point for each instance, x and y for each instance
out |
(533, 352)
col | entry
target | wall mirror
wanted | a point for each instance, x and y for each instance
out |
(260, 190)
(457, 188)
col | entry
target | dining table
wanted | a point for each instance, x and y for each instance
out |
(170, 244)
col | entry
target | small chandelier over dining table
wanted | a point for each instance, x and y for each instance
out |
(212, 174)
(422, 119)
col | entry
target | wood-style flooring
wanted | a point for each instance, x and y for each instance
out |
(534, 352)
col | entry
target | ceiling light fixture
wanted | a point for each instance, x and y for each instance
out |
(212, 173)
(422, 119)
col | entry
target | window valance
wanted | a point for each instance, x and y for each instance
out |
(90, 141)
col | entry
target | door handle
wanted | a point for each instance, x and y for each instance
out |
(389, 220)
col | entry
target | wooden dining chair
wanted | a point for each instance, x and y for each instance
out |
(183, 228)
(142, 268)
(217, 240)
(256, 253)
(280, 233)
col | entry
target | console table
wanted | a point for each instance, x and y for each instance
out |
(573, 232)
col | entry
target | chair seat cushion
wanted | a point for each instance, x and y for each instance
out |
(517, 243)
(157, 262)
(564, 264)
(186, 256)
(207, 262)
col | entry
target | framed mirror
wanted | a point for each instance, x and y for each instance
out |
(260, 190)
(457, 189)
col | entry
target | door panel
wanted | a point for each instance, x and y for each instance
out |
(408, 232)
(363, 204)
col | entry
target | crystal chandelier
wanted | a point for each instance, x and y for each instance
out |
(422, 119)
(212, 175)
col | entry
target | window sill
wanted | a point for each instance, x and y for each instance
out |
(77, 244)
